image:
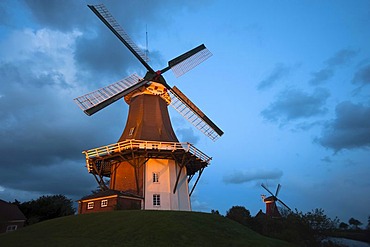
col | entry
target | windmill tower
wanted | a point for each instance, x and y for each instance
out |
(148, 168)
(270, 201)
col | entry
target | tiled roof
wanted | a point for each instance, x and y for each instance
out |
(109, 193)
(9, 212)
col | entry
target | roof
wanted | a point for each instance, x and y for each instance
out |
(260, 214)
(10, 212)
(107, 193)
(148, 119)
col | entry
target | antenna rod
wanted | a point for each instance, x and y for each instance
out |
(146, 43)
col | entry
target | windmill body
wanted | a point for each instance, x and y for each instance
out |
(271, 208)
(270, 201)
(148, 120)
(148, 168)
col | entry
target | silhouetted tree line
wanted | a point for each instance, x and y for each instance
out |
(46, 208)
(304, 229)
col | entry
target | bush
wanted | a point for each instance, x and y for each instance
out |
(45, 208)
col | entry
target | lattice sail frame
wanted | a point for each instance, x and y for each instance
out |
(193, 114)
(117, 27)
(191, 62)
(90, 100)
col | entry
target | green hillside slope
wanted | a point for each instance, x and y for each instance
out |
(138, 228)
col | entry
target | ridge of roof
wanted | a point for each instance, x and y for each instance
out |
(109, 193)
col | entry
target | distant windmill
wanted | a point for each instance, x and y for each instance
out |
(148, 167)
(270, 201)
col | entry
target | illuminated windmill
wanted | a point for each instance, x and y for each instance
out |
(148, 167)
(271, 208)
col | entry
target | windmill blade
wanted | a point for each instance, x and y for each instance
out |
(106, 17)
(97, 100)
(187, 61)
(278, 189)
(267, 189)
(284, 204)
(193, 114)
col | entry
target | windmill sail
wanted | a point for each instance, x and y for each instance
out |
(264, 186)
(97, 100)
(106, 17)
(187, 61)
(193, 114)
(277, 190)
(280, 201)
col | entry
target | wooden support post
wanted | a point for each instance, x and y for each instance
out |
(177, 179)
(200, 174)
(101, 183)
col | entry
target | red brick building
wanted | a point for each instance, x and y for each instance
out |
(109, 200)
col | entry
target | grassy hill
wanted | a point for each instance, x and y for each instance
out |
(138, 228)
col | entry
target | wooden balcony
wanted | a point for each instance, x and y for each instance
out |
(103, 156)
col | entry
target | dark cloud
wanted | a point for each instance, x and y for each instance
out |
(42, 132)
(350, 129)
(327, 159)
(304, 126)
(61, 15)
(131, 15)
(4, 12)
(321, 76)
(293, 104)
(238, 177)
(279, 72)
(340, 58)
(104, 55)
(12, 14)
(362, 76)
(65, 177)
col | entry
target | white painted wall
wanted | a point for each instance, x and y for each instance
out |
(167, 171)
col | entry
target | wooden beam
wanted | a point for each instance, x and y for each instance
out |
(177, 179)
(200, 174)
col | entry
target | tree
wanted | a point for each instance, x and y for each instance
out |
(355, 223)
(368, 223)
(45, 208)
(343, 226)
(239, 214)
(319, 221)
(292, 228)
(215, 212)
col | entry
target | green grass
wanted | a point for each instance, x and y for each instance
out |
(138, 228)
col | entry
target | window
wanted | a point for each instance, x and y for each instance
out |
(11, 228)
(155, 177)
(104, 203)
(131, 131)
(156, 200)
(90, 205)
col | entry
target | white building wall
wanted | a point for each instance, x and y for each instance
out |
(167, 173)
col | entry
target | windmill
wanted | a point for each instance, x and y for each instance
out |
(148, 163)
(271, 208)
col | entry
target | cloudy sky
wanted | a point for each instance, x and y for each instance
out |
(288, 83)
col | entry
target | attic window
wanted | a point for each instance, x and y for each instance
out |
(90, 205)
(131, 131)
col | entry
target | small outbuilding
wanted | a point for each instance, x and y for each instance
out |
(109, 200)
(11, 217)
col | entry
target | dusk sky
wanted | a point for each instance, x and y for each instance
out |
(288, 83)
